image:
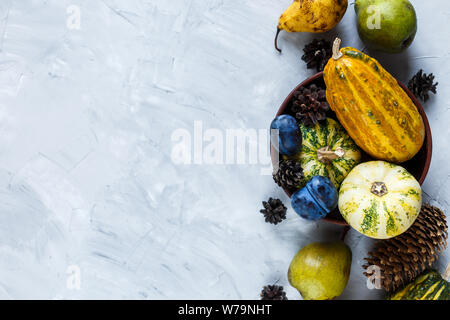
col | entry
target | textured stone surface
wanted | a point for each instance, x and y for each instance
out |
(86, 117)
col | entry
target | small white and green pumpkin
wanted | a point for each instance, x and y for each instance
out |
(327, 150)
(379, 199)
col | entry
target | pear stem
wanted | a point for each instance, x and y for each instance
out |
(337, 54)
(276, 40)
(344, 233)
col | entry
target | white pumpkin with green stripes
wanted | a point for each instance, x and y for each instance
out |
(380, 199)
(327, 150)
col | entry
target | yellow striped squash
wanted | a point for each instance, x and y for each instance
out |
(376, 112)
(379, 199)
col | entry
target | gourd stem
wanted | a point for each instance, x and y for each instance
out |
(326, 155)
(446, 275)
(337, 54)
(379, 189)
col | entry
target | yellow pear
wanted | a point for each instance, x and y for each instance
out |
(320, 271)
(311, 16)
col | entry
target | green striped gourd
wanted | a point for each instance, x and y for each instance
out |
(429, 286)
(327, 151)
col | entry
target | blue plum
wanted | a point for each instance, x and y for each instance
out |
(288, 141)
(305, 205)
(318, 198)
(324, 192)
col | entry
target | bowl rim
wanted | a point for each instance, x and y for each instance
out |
(428, 142)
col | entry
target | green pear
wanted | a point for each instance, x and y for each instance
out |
(320, 271)
(386, 25)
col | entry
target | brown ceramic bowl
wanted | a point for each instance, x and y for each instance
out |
(417, 166)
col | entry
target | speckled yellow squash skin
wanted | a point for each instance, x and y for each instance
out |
(373, 108)
(327, 133)
(312, 15)
(380, 217)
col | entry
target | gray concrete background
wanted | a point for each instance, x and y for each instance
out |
(87, 184)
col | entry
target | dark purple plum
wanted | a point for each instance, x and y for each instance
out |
(288, 141)
(324, 192)
(318, 198)
(305, 205)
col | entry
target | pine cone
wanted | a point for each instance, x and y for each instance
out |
(274, 211)
(273, 293)
(421, 84)
(289, 174)
(403, 258)
(310, 105)
(317, 54)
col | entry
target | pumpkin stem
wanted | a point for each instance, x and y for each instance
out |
(337, 54)
(446, 275)
(379, 189)
(326, 155)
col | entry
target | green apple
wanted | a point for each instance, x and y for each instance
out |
(386, 25)
(320, 271)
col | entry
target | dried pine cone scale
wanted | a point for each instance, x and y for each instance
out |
(289, 174)
(310, 105)
(274, 211)
(273, 292)
(401, 259)
(421, 84)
